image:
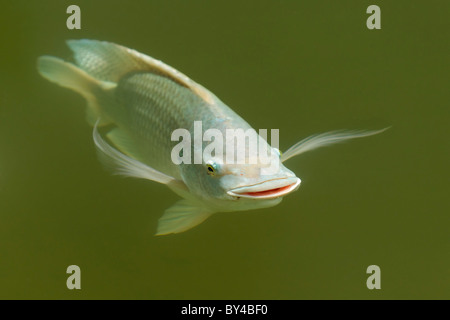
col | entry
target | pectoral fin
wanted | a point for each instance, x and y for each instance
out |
(127, 166)
(325, 139)
(182, 216)
(123, 142)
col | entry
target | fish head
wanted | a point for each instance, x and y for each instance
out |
(268, 179)
(257, 183)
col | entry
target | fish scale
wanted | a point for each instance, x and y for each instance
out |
(155, 108)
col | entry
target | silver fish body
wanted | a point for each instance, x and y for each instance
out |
(135, 103)
(155, 107)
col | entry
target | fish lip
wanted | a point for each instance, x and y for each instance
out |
(269, 189)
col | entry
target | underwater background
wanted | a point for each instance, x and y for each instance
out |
(303, 67)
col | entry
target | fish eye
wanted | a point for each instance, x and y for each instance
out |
(212, 168)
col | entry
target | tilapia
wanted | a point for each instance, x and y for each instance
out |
(135, 103)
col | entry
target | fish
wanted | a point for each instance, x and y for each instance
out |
(136, 102)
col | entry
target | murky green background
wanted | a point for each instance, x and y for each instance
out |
(300, 66)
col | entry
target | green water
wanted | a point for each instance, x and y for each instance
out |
(300, 66)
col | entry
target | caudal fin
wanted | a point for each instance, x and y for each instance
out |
(68, 75)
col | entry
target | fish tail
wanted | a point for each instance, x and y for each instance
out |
(69, 76)
(104, 60)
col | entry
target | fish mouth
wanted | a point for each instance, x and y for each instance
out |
(268, 189)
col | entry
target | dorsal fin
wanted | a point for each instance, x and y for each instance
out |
(110, 62)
